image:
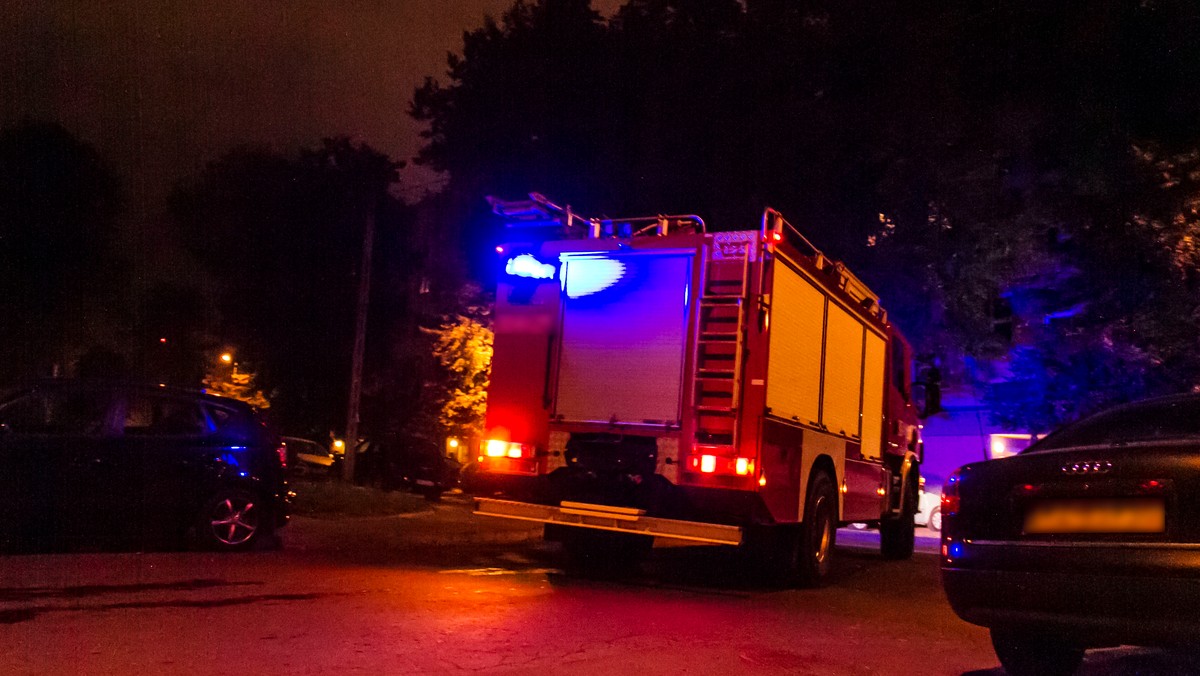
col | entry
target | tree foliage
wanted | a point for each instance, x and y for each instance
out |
(456, 395)
(234, 383)
(282, 237)
(60, 275)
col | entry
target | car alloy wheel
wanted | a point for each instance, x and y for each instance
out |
(232, 520)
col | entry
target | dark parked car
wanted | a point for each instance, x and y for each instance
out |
(90, 462)
(419, 465)
(1088, 538)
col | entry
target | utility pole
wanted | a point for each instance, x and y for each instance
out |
(360, 343)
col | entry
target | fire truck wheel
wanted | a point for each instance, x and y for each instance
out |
(811, 546)
(898, 536)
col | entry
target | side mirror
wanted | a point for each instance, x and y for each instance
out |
(927, 397)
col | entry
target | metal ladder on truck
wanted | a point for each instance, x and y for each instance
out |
(720, 351)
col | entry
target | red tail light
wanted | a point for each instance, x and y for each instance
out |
(281, 451)
(496, 448)
(950, 502)
(508, 457)
(715, 464)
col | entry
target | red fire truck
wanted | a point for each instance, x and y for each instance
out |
(655, 380)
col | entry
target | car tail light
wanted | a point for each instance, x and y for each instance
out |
(953, 549)
(1153, 486)
(715, 464)
(950, 502)
(496, 448)
(281, 451)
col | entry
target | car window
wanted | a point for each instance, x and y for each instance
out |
(296, 445)
(57, 411)
(149, 414)
(221, 417)
(310, 447)
(1149, 421)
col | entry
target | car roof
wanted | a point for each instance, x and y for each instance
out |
(1052, 441)
(1150, 403)
(136, 386)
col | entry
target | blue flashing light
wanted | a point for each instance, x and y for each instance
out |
(526, 265)
(591, 275)
(957, 550)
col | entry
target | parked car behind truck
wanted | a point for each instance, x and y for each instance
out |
(92, 462)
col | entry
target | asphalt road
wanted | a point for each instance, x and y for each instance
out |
(445, 593)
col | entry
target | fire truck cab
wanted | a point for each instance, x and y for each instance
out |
(651, 379)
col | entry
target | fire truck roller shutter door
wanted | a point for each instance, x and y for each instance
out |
(622, 344)
(794, 362)
(843, 373)
(873, 381)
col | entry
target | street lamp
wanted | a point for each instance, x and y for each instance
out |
(226, 358)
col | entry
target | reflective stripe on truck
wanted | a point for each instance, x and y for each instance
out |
(609, 518)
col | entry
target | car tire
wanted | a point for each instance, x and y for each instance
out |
(1024, 654)
(935, 520)
(897, 535)
(233, 520)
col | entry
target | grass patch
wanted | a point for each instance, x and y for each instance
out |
(334, 499)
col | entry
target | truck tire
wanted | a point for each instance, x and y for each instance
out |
(897, 535)
(800, 556)
(1028, 654)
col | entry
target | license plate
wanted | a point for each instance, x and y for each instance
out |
(1097, 516)
(424, 482)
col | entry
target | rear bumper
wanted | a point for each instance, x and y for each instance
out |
(612, 519)
(1092, 609)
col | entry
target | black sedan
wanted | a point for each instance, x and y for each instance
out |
(90, 462)
(1088, 538)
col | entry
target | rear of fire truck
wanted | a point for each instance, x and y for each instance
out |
(632, 393)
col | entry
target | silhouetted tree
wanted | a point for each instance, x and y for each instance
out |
(282, 236)
(60, 276)
(174, 333)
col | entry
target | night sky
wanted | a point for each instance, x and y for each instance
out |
(162, 87)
